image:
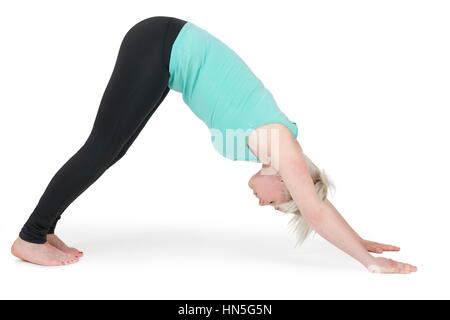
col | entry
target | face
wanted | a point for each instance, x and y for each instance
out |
(268, 188)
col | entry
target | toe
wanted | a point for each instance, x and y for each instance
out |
(73, 260)
(55, 263)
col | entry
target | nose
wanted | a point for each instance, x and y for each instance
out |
(261, 202)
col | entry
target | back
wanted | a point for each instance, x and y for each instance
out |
(222, 91)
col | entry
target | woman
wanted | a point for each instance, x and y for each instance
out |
(163, 53)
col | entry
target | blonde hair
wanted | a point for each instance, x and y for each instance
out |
(322, 184)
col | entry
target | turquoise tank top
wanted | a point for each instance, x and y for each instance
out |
(222, 91)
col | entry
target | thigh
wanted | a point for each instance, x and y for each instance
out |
(136, 87)
(130, 141)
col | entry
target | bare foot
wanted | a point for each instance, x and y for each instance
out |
(42, 254)
(53, 240)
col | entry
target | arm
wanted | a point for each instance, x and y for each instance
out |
(288, 160)
(321, 217)
(341, 218)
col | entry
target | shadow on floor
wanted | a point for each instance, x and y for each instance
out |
(218, 244)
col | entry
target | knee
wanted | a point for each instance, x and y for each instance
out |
(98, 154)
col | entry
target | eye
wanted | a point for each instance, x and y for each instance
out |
(271, 202)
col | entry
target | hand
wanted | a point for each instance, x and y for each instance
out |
(378, 247)
(383, 265)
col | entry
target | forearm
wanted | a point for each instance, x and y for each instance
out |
(341, 217)
(333, 228)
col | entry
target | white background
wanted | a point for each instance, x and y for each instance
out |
(367, 83)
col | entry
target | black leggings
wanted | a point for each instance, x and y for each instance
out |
(138, 84)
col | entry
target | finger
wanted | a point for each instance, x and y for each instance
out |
(412, 268)
(395, 266)
(374, 248)
(406, 268)
(400, 268)
(377, 249)
(388, 247)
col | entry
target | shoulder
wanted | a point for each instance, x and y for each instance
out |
(269, 130)
(266, 139)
